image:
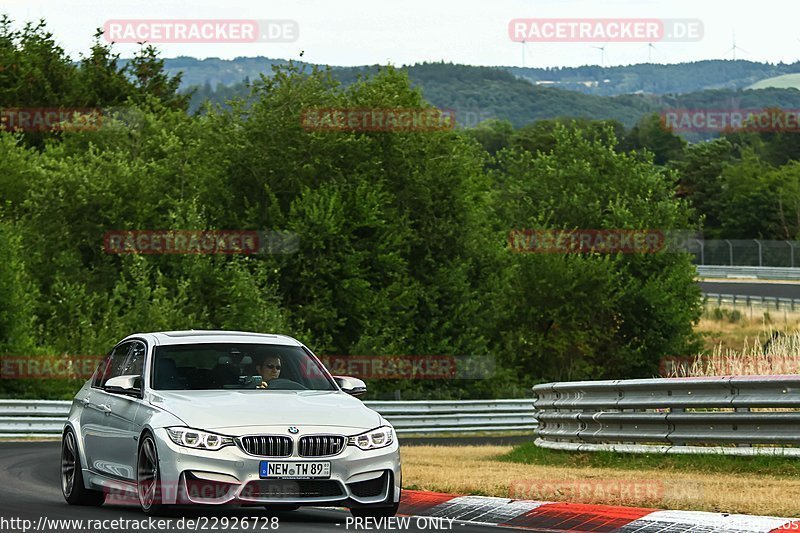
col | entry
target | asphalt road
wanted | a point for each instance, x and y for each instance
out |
(774, 290)
(29, 489)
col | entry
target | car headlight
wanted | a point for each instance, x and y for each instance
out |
(199, 440)
(373, 439)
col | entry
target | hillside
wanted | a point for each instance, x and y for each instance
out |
(480, 93)
(656, 78)
(591, 79)
(787, 81)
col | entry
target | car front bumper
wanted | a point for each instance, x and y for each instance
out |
(230, 475)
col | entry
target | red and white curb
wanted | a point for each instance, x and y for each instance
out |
(551, 516)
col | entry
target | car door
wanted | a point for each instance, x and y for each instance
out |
(109, 431)
(123, 440)
(93, 416)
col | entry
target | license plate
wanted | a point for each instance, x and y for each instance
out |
(294, 470)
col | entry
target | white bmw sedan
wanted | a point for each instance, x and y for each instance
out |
(224, 417)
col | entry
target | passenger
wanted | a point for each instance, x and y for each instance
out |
(269, 368)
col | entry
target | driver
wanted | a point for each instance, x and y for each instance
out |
(270, 368)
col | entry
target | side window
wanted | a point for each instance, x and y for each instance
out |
(97, 377)
(113, 365)
(134, 365)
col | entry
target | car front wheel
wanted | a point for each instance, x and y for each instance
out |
(148, 477)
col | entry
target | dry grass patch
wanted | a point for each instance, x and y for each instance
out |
(730, 328)
(774, 353)
(479, 470)
(735, 344)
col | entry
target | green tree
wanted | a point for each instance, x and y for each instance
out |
(151, 81)
(651, 134)
(700, 172)
(748, 199)
(17, 296)
(788, 200)
(493, 135)
(592, 316)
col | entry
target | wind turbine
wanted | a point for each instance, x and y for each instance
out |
(524, 49)
(602, 54)
(734, 48)
(650, 48)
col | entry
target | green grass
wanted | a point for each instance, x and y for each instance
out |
(787, 81)
(708, 464)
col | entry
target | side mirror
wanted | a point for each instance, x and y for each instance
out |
(352, 386)
(130, 385)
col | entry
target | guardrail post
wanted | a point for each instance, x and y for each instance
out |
(672, 427)
(743, 410)
(760, 262)
(702, 251)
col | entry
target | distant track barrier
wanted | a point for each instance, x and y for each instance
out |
(767, 302)
(40, 418)
(749, 272)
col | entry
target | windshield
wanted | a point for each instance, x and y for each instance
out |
(268, 367)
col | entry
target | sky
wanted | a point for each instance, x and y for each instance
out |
(474, 32)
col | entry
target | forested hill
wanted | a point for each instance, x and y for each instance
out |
(481, 93)
(656, 78)
(591, 79)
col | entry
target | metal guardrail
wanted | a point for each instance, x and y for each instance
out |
(751, 272)
(38, 418)
(673, 415)
(743, 252)
(769, 302)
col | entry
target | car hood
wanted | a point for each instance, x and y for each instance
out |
(216, 409)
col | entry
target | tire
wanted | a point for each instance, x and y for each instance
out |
(72, 487)
(148, 477)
